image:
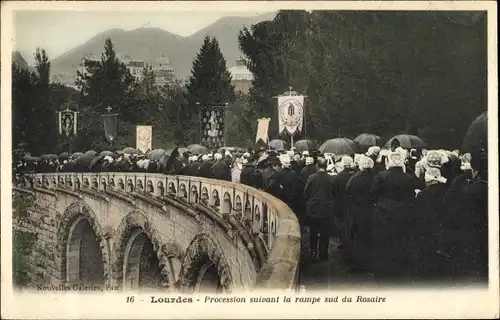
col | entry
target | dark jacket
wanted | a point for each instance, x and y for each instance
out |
(289, 184)
(221, 170)
(318, 194)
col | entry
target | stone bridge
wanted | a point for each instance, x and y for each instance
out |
(140, 231)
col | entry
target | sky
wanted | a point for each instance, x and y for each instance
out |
(60, 31)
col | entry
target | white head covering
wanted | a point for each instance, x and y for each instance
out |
(290, 154)
(244, 160)
(347, 162)
(305, 153)
(465, 159)
(395, 159)
(357, 158)
(65, 161)
(402, 151)
(382, 153)
(108, 158)
(374, 150)
(309, 160)
(365, 162)
(227, 154)
(285, 161)
(246, 155)
(218, 156)
(296, 157)
(204, 157)
(434, 174)
(209, 156)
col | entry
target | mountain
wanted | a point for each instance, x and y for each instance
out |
(150, 43)
(18, 58)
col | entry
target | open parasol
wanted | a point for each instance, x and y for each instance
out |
(407, 141)
(476, 137)
(338, 146)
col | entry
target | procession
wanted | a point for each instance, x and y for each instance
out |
(398, 211)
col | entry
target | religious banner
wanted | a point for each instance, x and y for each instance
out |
(212, 126)
(262, 130)
(110, 125)
(67, 122)
(290, 113)
(144, 138)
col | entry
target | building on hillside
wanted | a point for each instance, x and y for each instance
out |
(164, 72)
(88, 58)
(135, 66)
(241, 77)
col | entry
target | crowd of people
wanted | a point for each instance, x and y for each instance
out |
(398, 213)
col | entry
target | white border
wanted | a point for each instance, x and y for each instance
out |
(428, 303)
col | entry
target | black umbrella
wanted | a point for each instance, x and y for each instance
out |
(32, 159)
(304, 145)
(407, 141)
(130, 150)
(197, 149)
(92, 152)
(368, 140)
(162, 163)
(96, 161)
(45, 157)
(76, 155)
(63, 156)
(278, 144)
(476, 137)
(155, 154)
(106, 153)
(338, 146)
(82, 164)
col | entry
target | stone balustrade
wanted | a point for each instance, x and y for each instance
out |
(272, 226)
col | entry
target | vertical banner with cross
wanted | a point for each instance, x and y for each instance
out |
(290, 113)
(67, 122)
(262, 131)
(144, 138)
(212, 126)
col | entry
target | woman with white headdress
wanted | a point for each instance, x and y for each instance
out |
(393, 192)
(428, 215)
(359, 212)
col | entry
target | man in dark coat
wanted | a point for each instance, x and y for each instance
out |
(270, 181)
(318, 194)
(289, 184)
(221, 169)
(205, 169)
(340, 182)
(394, 192)
(360, 213)
(427, 254)
(305, 173)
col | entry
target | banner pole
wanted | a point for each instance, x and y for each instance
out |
(291, 142)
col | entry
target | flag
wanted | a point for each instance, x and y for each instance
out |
(290, 113)
(144, 138)
(212, 126)
(262, 130)
(67, 122)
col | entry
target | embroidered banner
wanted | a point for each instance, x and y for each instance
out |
(144, 138)
(67, 122)
(290, 113)
(212, 126)
(262, 130)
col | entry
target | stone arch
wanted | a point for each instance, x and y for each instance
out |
(131, 226)
(103, 184)
(68, 237)
(54, 183)
(204, 195)
(215, 198)
(204, 253)
(69, 182)
(121, 185)
(95, 184)
(256, 220)
(130, 185)
(149, 187)
(86, 182)
(111, 183)
(226, 204)
(77, 183)
(182, 191)
(194, 194)
(248, 213)
(160, 189)
(139, 186)
(38, 182)
(238, 207)
(171, 188)
(61, 181)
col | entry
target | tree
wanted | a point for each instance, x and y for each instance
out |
(210, 83)
(107, 83)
